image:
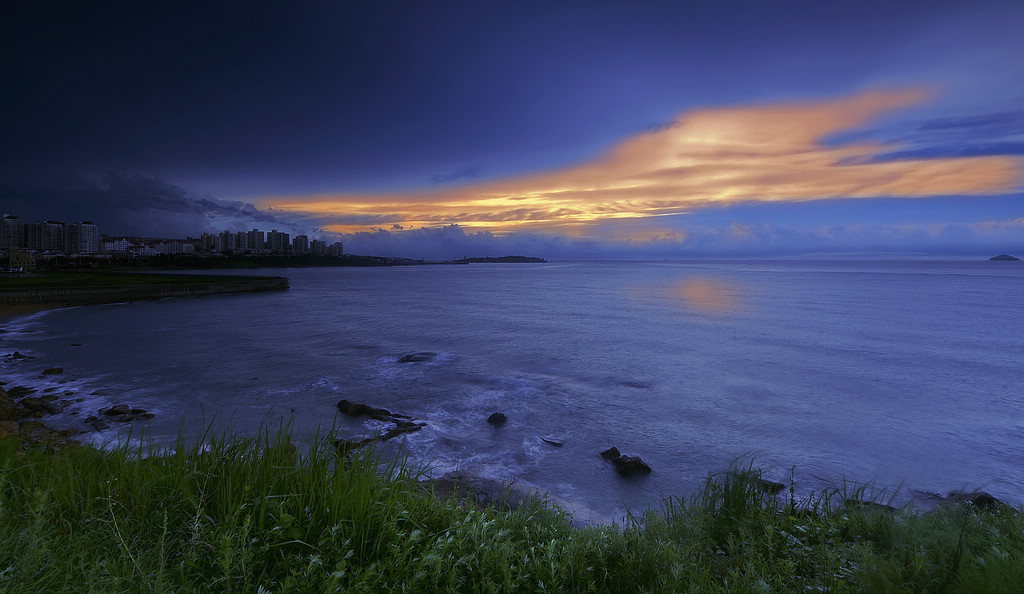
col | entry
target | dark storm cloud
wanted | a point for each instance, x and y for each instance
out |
(122, 204)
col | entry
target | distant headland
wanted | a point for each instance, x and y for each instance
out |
(1004, 258)
(504, 260)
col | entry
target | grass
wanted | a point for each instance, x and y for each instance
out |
(93, 279)
(254, 515)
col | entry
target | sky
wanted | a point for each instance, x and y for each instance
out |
(559, 129)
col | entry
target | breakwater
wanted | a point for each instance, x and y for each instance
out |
(133, 288)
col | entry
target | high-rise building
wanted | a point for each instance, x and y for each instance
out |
(278, 242)
(318, 247)
(256, 240)
(13, 233)
(300, 244)
(241, 242)
(81, 238)
(228, 242)
(53, 236)
(335, 249)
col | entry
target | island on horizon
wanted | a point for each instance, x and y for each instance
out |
(1004, 258)
(504, 260)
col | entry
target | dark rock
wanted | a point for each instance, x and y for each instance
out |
(53, 370)
(7, 406)
(37, 431)
(482, 491)
(8, 428)
(49, 397)
(100, 425)
(33, 404)
(402, 424)
(17, 355)
(979, 499)
(552, 442)
(396, 431)
(354, 409)
(116, 410)
(345, 446)
(870, 505)
(19, 391)
(417, 357)
(148, 416)
(75, 344)
(122, 418)
(770, 487)
(138, 411)
(90, 419)
(611, 453)
(630, 465)
(53, 408)
(497, 419)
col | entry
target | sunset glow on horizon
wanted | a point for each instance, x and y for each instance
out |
(756, 153)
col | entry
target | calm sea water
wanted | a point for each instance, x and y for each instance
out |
(903, 374)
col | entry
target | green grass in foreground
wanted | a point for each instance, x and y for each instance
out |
(241, 515)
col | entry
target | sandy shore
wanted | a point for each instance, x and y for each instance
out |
(10, 311)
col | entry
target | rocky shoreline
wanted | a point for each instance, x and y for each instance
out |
(25, 409)
(510, 494)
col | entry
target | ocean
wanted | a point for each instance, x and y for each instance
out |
(905, 375)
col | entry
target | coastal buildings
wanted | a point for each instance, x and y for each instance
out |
(24, 241)
(49, 236)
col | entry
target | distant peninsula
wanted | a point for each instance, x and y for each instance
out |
(505, 260)
(1004, 258)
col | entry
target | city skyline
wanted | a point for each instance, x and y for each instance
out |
(84, 238)
(568, 129)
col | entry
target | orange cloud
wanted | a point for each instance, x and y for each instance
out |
(710, 156)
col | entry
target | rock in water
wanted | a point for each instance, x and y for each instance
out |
(416, 357)
(33, 404)
(53, 370)
(770, 487)
(630, 465)
(401, 429)
(979, 499)
(626, 465)
(116, 410)
(497, 419)
(354, 409)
